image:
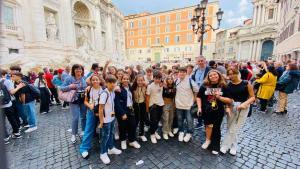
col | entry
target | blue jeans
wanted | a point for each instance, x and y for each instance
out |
(30, 111)
(21, 113)
(78, 110)
(91, 122)
(185, 114)
(107, 137)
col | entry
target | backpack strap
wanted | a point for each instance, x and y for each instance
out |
(191, 85)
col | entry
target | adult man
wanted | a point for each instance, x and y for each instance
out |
(184, 99)
(27, 100)
(198, 76)
(49, 77)
(66, 73)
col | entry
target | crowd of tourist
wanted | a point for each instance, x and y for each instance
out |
(131, 104)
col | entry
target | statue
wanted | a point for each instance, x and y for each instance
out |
(85, 46)
(51, 27)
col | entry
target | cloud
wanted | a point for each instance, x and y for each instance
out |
(244, 6)
(237, 17)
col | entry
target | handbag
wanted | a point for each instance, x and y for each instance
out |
(68, 96)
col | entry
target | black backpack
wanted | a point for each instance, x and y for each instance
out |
(4, 94)
(34, 91)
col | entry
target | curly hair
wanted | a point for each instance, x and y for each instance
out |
(221, 82)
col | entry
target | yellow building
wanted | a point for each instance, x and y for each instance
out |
(167, 36)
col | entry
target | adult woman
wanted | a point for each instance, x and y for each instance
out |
(211, 100)
(125, 114)
(76, 82)
(91, 101)
(40, 82)
(243, 95)
(267, 86)
(286, 85)
(139, 96)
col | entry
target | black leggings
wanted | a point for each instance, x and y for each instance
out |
(155, 116)
(45, 100)
(263, 104)
(127, 128)
(140, 116)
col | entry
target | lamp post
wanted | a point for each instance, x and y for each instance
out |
(198, 21)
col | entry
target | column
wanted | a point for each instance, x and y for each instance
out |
(250, 50)
(258, 50)
(93, 37)
(263, 14)
(258, 15)
(68, 32)
(254, 15)
(239, 51)
(109, 34)
(98, 42)
(38, 21)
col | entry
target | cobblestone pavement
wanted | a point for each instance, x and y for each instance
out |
(266, 141)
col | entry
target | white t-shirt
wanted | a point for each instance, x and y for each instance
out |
(37, 81)
(94, 95)
(109, 104)
(9, 86)
(129, 97)
(155, 92)
(184, 98)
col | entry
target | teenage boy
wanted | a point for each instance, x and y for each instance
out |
(7, 106)
(27, 100)
(107, 120)
(154, 104)
(186, 89)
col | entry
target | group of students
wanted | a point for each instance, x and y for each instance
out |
(118, 101)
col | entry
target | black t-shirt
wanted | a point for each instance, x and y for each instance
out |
(244, 74)
(169, 92)
(238, 92)
(205, 93)
(24, 90)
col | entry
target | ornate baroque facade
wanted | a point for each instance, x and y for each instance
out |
(257, 40)
(59, 32)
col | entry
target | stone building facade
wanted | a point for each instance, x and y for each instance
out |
(59, 32)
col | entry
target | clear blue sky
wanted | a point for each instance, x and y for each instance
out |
(235, 11)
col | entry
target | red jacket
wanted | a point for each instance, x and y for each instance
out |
(48, 77)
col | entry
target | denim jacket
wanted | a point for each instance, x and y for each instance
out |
(81, 84)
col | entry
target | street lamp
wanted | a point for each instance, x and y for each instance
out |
(198, 21)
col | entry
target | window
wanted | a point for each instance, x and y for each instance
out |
(131, 42)
(157, 20)
(148, 21)
(157, 30)
(140, 42)
(157, 40)
(177, 39)
(189, 37)
(148, 41)
(149, 50)
(168, 19)
(131, 33)
(189, 27)
(131, 52)
(10, 51)
(131, 24)
(190, 15)
(188, 49)
(177, 49)
(271, 13)
(178, 27)
(140, 51)
(148, 31)
(139, 24)
(8, 15)
(140, 32)
(167, 29)
(167, 40)
(230, 50)
(178, 17)
(166, 50)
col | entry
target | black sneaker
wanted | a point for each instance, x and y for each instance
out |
(16, 135)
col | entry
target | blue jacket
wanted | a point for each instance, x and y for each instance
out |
(56, 81)
(121, 102)
(289, 79)
(81, 84)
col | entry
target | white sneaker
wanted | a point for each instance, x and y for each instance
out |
(135, 144)
(215, 152)
(104, 158)
(187, 137)
(44, 112)
(165, 136)
(159, 124)
(171, 134)
(27, 126)
(175, 130)
(123, 145)
(146, 128)
(73, 139)
(232, 151)
(180, 136)
(143, 138)
(157, 136)
(114, 151)
(206, 144)
(31, 129)
(223, 150)
(84, 154)
(153, 139)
